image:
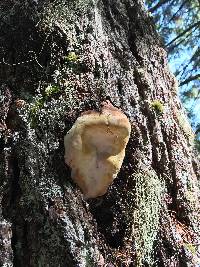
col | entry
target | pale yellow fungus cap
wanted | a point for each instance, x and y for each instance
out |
(95, 148)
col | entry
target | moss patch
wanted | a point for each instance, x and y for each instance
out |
(192, 249)
(157, 105)
(72, 57)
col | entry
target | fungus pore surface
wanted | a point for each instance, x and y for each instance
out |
(95, 148)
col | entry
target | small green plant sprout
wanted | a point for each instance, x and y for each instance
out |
(52, 89)
(39, 103)
(74, 62)
(34, 110)
(157, 105)
(72, 57)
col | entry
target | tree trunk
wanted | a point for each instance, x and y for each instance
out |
(58, 59)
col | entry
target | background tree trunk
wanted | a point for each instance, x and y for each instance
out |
(59, 58)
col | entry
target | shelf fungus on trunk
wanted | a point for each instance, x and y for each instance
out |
(95, 148)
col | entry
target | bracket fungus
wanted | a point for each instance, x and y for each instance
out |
(95, 148)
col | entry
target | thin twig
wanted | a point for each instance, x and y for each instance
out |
(191, 78)
(159, 4)
(181, 6)
(184, 32)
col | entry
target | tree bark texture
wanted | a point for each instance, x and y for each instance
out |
(58, 59)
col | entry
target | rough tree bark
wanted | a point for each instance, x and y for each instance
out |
(59, 58)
